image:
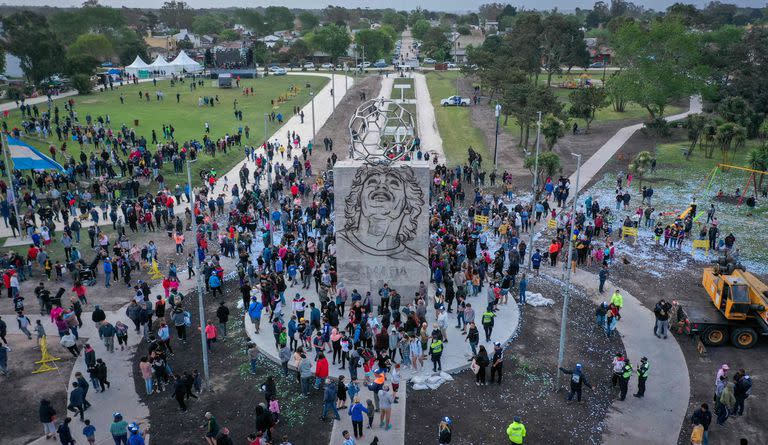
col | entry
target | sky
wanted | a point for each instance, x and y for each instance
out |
(437, 5)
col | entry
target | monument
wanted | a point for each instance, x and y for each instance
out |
(382, 204)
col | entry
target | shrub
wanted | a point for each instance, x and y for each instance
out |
(82, 83)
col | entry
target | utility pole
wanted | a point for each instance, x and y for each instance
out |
(497, 112)
(567, 261)
(333, 89)
(198, 278)
(267, 167)
(11, 191)
(535, 187)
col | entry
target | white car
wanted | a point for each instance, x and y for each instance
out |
(430, 60)
(451, 65)
(456, 101)
(277, 71)
(364, 64)
(327, 66)
(309, 65)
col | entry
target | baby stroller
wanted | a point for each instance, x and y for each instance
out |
(87, 277)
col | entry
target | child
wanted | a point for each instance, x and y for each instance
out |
(59, 270)
(274, 408)
(48, 268)
(255, 439)
(371, 412)
(89, 432)
(198, 382)
(395, 377)
(39, 330)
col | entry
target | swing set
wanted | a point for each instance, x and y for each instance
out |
(752, 179)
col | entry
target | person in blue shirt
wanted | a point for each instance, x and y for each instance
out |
(107, 270)
(135, 436)
(292, 269)
(523, 286)
(89, 432)
(254, 311)
(536, 261)
(215, 283)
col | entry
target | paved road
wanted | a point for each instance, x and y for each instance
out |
(428, 131)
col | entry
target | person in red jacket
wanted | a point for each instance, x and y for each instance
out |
(321, 370)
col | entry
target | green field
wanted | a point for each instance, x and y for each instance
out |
(455, 123)
(408, 94)
(187, 117)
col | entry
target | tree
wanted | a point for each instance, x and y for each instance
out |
(735, 109)
(585, 102)
(687, 14)
(337, 15)
(420, 29)
(185, 44)
(299, 50)
(377, 44)
(562, 43)
(659, 64)
(694, 123)
(332, 40)
(599, 15)
(749, 80)
(724, 52)
(27, 36)
(309, 21)
(229, 35)
(96, 46)
(757, 159)
(176, 14)
(127, 44)
(82, 83)
(207, 24)
(640, 166)
(436, 44)
(80, 64)
(395, 19)
(730, 137)
(463, 30)
(279, 17)
(253, 20)
(549, 165)
(553, 128)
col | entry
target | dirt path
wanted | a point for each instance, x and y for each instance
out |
(428, 131)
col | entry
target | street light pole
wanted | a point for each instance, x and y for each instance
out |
(535, 186)
(267, 167)
(497, 112)
(567, 261)
(333, 88)
(198, 278)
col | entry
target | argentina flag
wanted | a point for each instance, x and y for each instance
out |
(26, 157)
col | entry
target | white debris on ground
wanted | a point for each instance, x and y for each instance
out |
(537, 300)
(429, 381)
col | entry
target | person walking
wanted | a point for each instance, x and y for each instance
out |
(617, 300)
(348, 440)
(497, 362)
(47, 416)
(725, 404)
(742, 390)
(77, 400)
(642, 375)
(578, 380)
(329, 400)
(119, 429)
(107, 334)
(222, 313)
(436, 353)
(65, 434)
(516, 431)
(101, 374)
(385, 407)
(603, 276)
(487, 320)
(356, 411)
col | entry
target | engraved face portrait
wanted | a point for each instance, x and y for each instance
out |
(381, 212)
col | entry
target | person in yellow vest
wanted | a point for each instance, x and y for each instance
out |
(617, 300)
(516, 431)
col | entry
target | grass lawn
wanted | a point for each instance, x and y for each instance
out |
(408, 93)
(186, 117)
(455, 123)
(676, 180)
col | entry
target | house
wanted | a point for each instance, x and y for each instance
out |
(184, 35)
(490, 26)
(460, 42)
(598, 52)
(166, 43)
(242, 30)
(270, 40)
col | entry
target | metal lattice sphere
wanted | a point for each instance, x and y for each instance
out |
(381, 131)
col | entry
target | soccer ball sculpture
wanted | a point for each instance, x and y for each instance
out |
(381, 132)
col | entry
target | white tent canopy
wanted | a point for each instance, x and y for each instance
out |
(136, 66)
(186, 63)
(160, 64)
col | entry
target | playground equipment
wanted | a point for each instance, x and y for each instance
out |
(752, 179)
(46, 358)
(735, 307)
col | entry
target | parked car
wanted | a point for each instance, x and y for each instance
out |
(364, 64)
(309, 65)
(327, 66)
(598, 65)
(451, 65)
(456, 101)
(294, 65)
(380, 64)
(277, 71)
(430, 61)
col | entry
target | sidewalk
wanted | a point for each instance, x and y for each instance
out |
(657, 417)
(428, 131)
(592, 166)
